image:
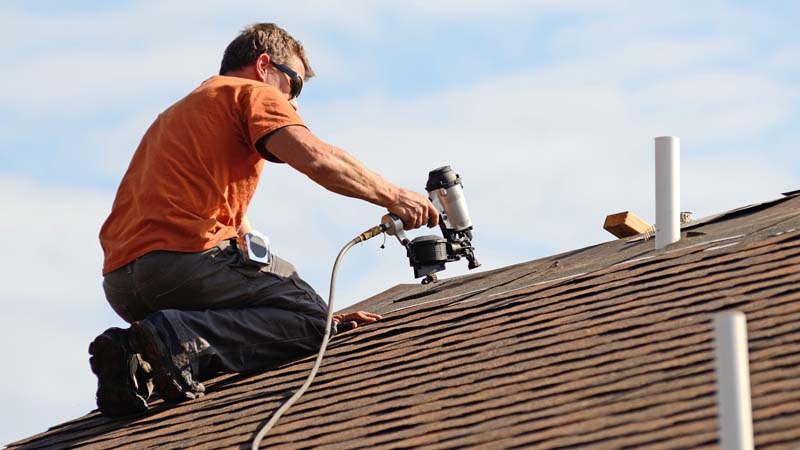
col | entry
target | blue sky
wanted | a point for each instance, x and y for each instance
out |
(548, 109)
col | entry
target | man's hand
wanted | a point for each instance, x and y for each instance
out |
(414, 209)
(349, 321)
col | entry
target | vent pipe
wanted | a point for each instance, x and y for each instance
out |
(733, 381)
(668, 190)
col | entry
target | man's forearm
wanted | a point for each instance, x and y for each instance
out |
(340, 172)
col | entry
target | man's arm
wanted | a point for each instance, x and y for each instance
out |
(339, 172)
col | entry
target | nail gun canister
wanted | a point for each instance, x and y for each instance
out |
(429, 249)
(447, 193)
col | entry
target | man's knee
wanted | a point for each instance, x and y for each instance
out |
(319, 330)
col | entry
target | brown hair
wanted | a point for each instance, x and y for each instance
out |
(263, 38)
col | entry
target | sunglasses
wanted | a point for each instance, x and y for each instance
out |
(295, 80)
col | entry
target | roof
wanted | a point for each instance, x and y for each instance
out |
(609, 346)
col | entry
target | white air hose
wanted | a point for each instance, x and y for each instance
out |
(369, 234)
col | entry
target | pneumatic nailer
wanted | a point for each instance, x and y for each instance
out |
(428, 254)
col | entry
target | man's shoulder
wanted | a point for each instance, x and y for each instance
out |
(225, 92)
(224, 80)
(237, 86)
(247, 99)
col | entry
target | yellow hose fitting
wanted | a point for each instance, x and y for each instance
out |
(369, 234)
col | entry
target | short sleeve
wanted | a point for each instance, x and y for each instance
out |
(264, 110)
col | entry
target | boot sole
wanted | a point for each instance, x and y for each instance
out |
(167, 381)
(116, 397)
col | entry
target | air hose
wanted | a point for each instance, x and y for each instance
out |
(369, 234)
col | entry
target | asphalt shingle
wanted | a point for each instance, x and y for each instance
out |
(605, 347)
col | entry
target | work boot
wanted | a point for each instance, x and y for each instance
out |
(174, 385)
(119, 392)
(143, 380)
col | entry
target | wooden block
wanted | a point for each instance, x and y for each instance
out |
(625, 224)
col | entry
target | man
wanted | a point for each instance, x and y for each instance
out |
(173, 267)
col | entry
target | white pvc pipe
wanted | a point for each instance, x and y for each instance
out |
(668, 190)
(733, 381)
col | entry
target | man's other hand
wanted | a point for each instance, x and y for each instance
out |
(414, 209)
(349, 321)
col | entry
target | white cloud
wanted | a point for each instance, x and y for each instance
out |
(509, 9)
(91, 80)
(55, 247)
(108, 150)
(786, 61)
(717, 183)
(715, 106)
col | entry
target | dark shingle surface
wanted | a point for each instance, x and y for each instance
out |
(604, 347)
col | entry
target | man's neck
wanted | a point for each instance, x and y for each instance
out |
(249, 73)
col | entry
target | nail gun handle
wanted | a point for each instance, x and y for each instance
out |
(394, 227)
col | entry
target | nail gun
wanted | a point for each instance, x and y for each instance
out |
(428, 254)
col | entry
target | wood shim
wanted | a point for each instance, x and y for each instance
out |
(625, 224)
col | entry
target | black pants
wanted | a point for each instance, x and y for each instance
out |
(217, 314)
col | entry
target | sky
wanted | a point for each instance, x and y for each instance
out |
(547, 109)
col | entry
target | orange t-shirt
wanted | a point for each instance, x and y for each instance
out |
(195, 171)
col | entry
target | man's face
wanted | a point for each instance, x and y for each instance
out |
(283, 81)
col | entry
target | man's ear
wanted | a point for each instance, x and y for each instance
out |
(262, 64)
